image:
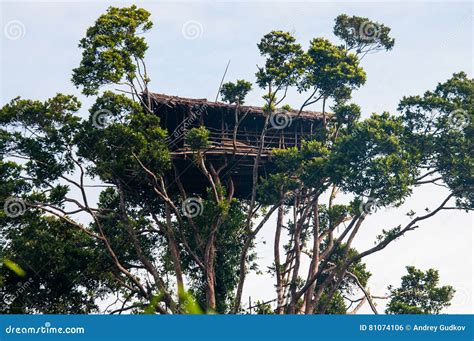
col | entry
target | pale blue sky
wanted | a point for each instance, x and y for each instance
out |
(433, 40)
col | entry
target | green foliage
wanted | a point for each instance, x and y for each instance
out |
(359, 269)
(229, 242)
(275, 187)
(362, 35)
(13, 267)
(388, 234)
(287, 160)
(51, 125)
(284, 60)
(129, 135)
(314, 164)
(419, 293)
(337, 214)
(189, 304)
(117, 226)
(336, 306)
(263, 308)
(197, 138)
(235, 92)
(348, 286)
(347, 114)
(306, 165)
(150, 309)
(112, 49)
(374, 160)
(59, 272)
(331, 69)
(58, 194)
(78, 271)
(314, 149)
(439, 128)
(11, 185)
(229, 245)
(62, 269)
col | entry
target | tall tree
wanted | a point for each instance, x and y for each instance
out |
(97, 190)
(419, 293)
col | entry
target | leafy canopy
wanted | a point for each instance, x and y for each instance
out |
(440, 126)
(362, 34)
(283, 60)
(124, 147)
(419, 293)
(235, 92)
(112, 49)
(331, 70)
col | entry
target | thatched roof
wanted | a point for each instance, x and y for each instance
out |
(174, 101)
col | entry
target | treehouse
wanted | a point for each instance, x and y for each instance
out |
(234, 135)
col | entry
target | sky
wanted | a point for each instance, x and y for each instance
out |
(190, 45)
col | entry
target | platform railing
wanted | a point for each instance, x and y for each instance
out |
(244, 140)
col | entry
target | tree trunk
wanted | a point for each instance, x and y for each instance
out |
(174, 251)
(242, 270)
(276, 251)
(210, 275)
(297, 251)
(313, 268)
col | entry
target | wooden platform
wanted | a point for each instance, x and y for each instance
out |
(234, 139)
